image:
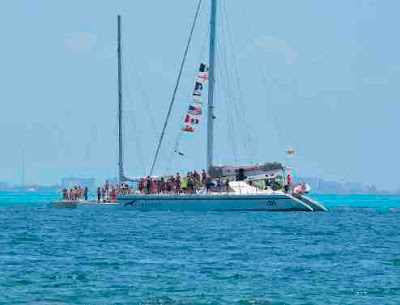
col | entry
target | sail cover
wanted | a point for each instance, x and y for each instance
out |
(192, 117)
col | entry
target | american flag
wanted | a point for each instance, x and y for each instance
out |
(194, 110)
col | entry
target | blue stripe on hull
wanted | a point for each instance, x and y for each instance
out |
(214, 202)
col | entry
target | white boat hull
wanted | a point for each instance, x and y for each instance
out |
(218, 202)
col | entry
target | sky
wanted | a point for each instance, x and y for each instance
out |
(318, 76)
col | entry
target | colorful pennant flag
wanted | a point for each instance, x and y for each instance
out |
(197, 100)
(188, 128)
(203, 68)
(202, 78)
(290, 152)
(198, 86)
(191, 118)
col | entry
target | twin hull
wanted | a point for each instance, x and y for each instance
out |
(223, 202)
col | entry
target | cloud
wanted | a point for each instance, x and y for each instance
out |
(80, 42)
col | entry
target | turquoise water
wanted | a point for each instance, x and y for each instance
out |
(112, 255)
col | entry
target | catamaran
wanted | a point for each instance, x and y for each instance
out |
(248, 188)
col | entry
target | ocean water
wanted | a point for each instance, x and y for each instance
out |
(112, 255)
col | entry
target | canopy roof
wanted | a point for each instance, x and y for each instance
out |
(246, 170)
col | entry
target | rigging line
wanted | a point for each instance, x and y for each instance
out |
(138, 145)
(231, 131)
(251, 30)
(272, 113)
(232, 99)
(176, 87)
(146, 103)
(180, 133)
(138, 142)
(230, 96)
(248, 137)
(204, 44)
(146, 100)
(175, 150)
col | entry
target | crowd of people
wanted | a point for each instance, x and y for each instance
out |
(76, 193)
(194, 182)
(107, 193)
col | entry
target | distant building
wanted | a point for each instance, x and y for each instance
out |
(83, 182)
(319, 186)
(371, 189)
(313, 182)
(352, 188)
(329, 187)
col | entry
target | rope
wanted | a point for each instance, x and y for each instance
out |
(176, 87)
(175, 151)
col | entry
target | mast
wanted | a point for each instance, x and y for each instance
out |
(211, 73)
(120, 150)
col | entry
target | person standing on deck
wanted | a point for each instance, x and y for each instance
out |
(183, 184)
(209, 184)
(103, 193)
(65, 193)
(106, 187)
(85, 193)
(153, 186)
(178, 182)
(190, 185)
(289, 181)
(204, 177)
(148, 185)
(113, 194)
(227, 185)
